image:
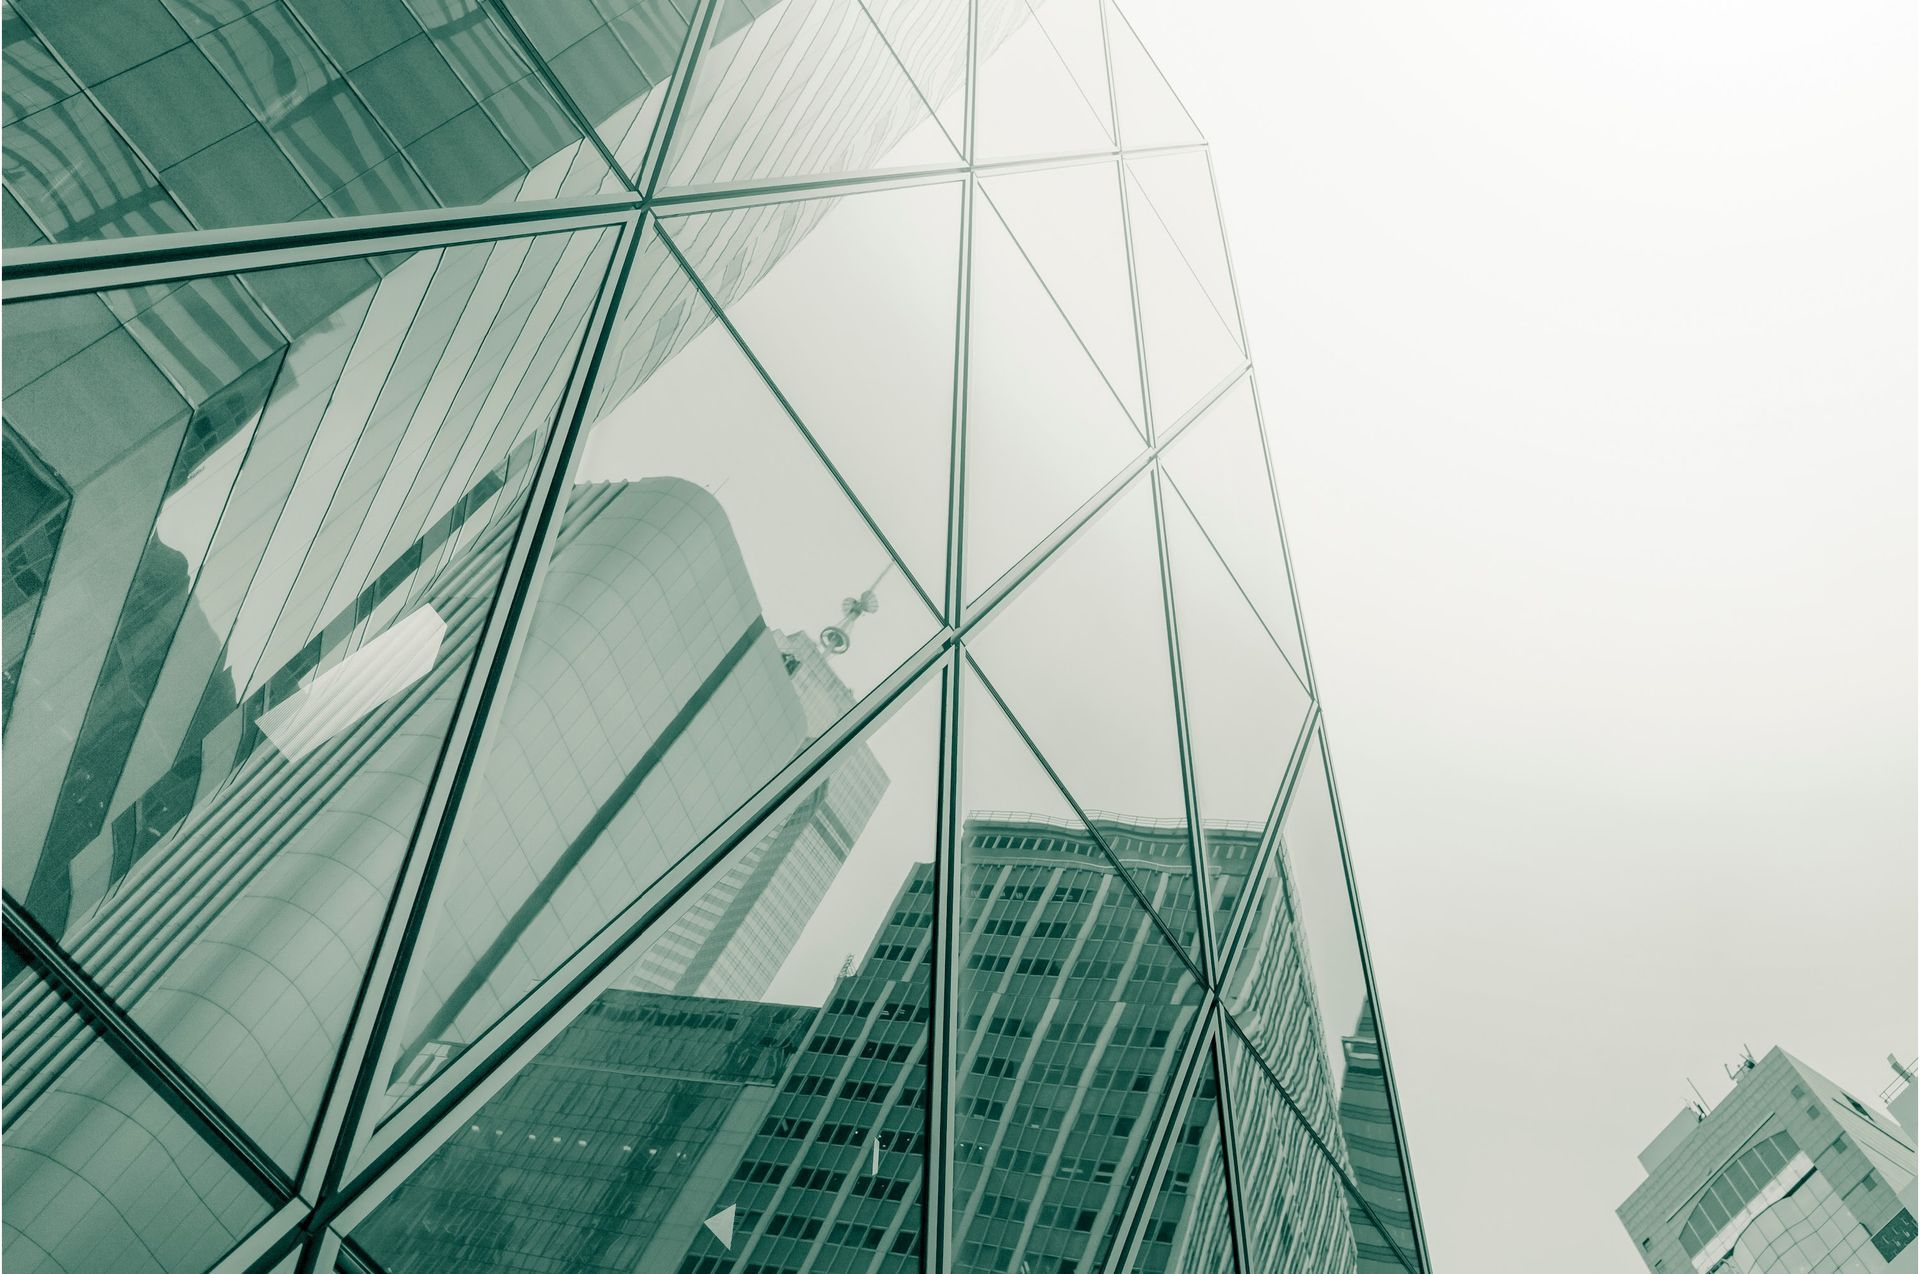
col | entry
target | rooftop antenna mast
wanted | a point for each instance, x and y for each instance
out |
(836, 638)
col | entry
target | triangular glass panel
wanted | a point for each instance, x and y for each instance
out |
(852, 318)
(1244, 706)
(759, 1061)
(1218, 467)
(1189, 1225)
(1074, 1009)
(758, 111)
(1101, 712)
(1177, 191)
(1044, 429)
(1296, 1208)
(1191, 347)
(1150, 114)
(303, 578)
(930, 37)
(1067, 222)
(1043, 80)
(102, 1172)
(690, 637)
(1297, 985)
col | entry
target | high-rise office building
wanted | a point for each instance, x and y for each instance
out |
(1788, 1174)
(621, 555)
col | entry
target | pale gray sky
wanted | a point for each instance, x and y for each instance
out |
(1586, 335)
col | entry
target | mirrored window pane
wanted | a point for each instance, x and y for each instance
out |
(1074, 1008)
(751, 1092)
(1245, 708)
(713, 601)
(276, 559)
(1045, 429)
(849, 306)
(1299, 988)
(102, 1173)
(803, 88)
(1101, 712)
(615, 59)
(1189, 1225)
(1298, 1216)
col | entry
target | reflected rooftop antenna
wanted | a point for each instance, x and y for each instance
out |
(836, 638)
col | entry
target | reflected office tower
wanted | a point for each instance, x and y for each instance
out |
(810, 1125)
(537, 538)
(1788, 1174)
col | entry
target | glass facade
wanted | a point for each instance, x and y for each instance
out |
(654, 634)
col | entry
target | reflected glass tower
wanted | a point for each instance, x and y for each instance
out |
(654, 634)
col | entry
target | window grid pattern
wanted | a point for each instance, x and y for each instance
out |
(512, 322)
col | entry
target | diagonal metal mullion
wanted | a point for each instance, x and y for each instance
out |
(699, 28)
(65, 268)
(1120, 869)
(1213, 953)
(490, 1061)
(1137, 1203)
(106, 1021)
(1319, 1143)
(1238, 587)
(1164, 1140)
(1270, 843)
(1060, 309)
(1238, 1223)
(725, 320)
(543, 71)
(338, 1129)
(937, 1243)
(1286, 555)
(269, 1242)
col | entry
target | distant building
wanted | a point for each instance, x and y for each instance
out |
(1789, 1174)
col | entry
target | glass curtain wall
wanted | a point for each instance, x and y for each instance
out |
(654, 634)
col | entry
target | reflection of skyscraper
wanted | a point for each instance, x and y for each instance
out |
(1069, 999)
(1366, 1129)
(582, 1162)
(270, 883)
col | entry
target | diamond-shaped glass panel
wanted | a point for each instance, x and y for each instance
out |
(713, 602)
(102, 1174)
(1073, 1008)
(849, 305)
(266, 604)
(1244, 706)
(752, 1086)
(1101, 712)
(1045, 431)
(804, 88)
(1218, 467)
(1192, 344)
(1068, 225)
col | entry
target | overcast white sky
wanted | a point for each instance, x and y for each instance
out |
(1587, 344)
